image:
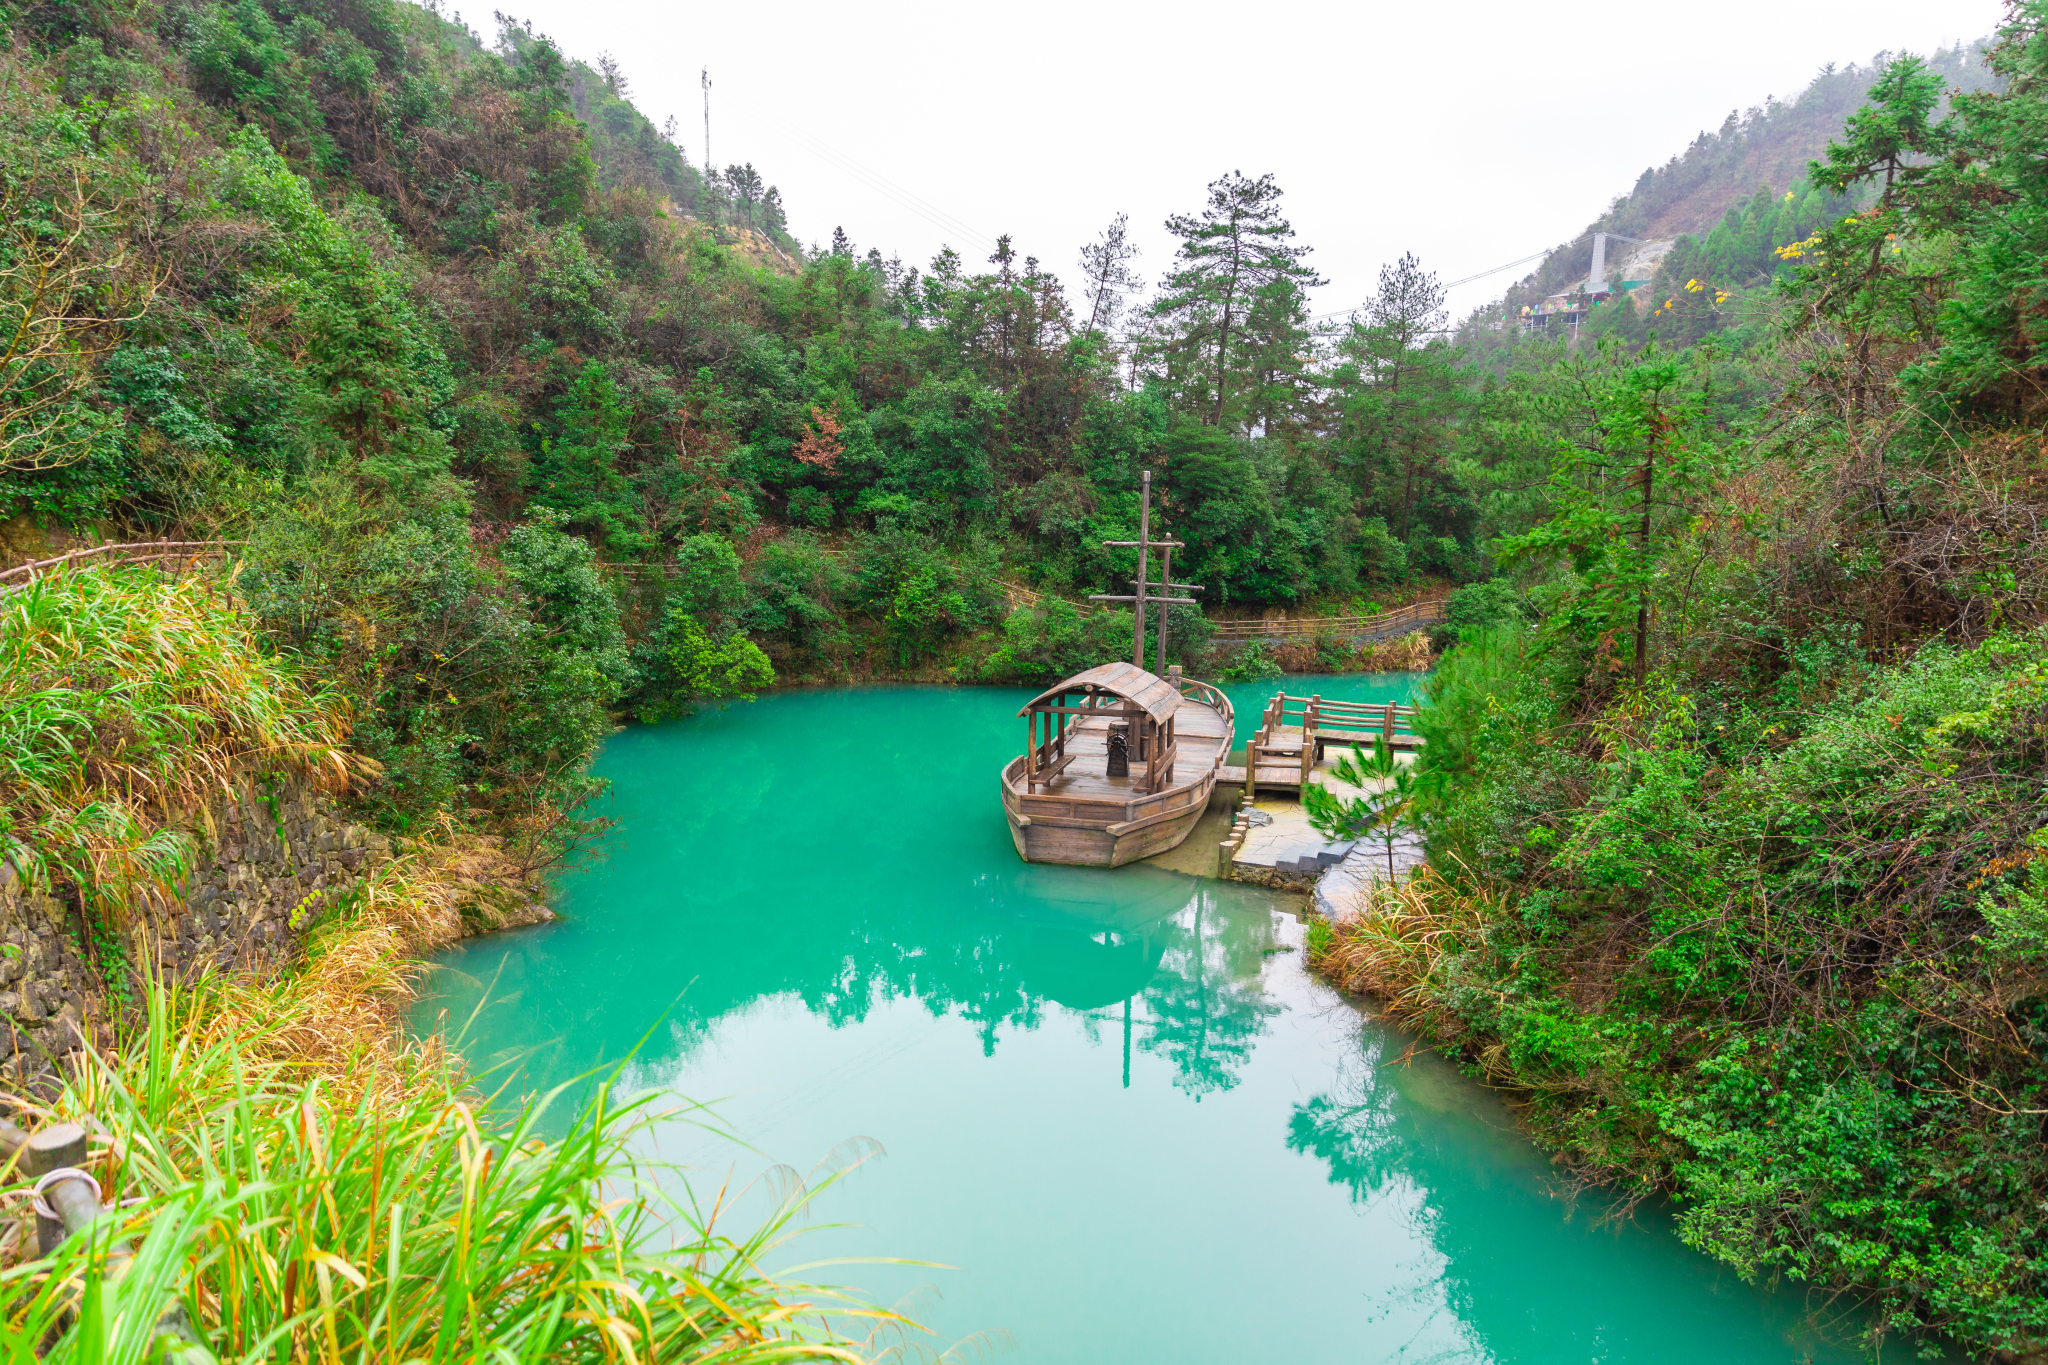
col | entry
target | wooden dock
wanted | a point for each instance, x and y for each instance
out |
(1293, 732)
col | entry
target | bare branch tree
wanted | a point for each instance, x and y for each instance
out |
(66, 292)
(1106, 264)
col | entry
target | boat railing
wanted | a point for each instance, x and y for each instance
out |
(1094, 809)
(1194, 689)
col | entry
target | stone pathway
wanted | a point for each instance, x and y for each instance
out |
(1340, 890)
(1285, 842)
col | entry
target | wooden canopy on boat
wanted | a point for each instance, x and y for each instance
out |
(1143, 706)
(1148, 692)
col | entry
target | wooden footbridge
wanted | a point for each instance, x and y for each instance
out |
(1292, 733)
(1386, 625)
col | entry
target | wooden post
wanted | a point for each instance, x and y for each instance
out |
(1166, 586)
(1387, 730)
(1310, 716)
(58, 1147)
(1251, 761)
(1144, 546)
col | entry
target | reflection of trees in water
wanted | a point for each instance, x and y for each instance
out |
(993, 949)
(1356, 1128)
(1526, 1274)
(1195, 966)
(1207, 1002)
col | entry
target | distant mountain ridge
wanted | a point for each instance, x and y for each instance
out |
(1767, 145)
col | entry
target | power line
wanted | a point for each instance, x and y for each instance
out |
(1547, 251)
(884, 186)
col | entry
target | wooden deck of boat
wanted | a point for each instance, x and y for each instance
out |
(1198, 730)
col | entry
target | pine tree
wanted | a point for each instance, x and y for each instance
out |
(1894, 141)
(1105, 264)
(1622, 499)
(1404, 387)
(1235, 247)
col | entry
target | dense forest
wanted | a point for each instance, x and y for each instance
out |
(524, 423)
(1735, 837)
(519, 437)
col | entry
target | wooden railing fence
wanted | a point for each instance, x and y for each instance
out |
(180, 554)
(1399, 621)
(1293, 732)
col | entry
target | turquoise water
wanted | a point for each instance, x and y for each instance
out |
(1112, 1105)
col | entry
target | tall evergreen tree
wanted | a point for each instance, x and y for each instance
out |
(1237, 246)
(1106, 265)
(1403, 386)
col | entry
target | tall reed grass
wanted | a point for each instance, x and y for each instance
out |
(1400, 942)
(298, 1215)
(125, 697)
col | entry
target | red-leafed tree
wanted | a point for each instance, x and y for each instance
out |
(821, 447)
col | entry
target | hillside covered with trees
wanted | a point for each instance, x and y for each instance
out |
(1735, 835)
(523, 423)
(463, 349)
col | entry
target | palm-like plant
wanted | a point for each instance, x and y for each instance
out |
(1384, 808)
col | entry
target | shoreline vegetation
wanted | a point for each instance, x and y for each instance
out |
(1736, 852)
(304, 1177)
(521, 422)
(293, 1167)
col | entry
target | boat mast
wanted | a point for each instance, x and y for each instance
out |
(1140, 646)
(1144, 544)
(1165, 575)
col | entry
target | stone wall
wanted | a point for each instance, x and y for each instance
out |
(267, 865)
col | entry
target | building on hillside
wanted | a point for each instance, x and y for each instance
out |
(1564, 311)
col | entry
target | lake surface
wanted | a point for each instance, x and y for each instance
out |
(1113, 1104)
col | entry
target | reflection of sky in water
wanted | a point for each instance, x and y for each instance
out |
(1113, 1102)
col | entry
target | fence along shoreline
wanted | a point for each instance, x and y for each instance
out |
(1418, 615)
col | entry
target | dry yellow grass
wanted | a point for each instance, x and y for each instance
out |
(1394, 945)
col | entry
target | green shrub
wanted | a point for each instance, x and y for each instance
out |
(1250, 664)
(1382, 558)
(797, 593)
(1484, 606)
(1815, 917)
(693, 666)
(475, 684)
(1189, 633)
(707, 582)
(923, 598)
(1056, 640)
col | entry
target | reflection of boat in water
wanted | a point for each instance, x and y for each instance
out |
(1083, 941)
(1123, 770)
(1127, 759)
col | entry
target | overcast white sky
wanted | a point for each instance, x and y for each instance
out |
(1469, 133)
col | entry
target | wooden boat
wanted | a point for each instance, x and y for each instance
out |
(1127, 759)
(1065, 802)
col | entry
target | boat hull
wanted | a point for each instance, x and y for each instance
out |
(1079, 805)
(1048, 829)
